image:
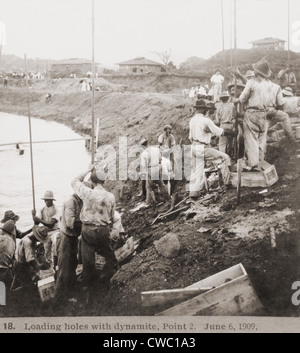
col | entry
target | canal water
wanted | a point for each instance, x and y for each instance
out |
(55, 164)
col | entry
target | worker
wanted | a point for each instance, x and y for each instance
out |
(49, 216)
(287, 77)
(225, 119)
(27, 271)
(97, 217)
(217, 79)
(277, 115)
(67, 245)
(291, 104)
(168, 175)
(7, 253)
(48, 98)
(10, 215)
(260, 99)
(151, 171)
(166, 144)
(201, 130)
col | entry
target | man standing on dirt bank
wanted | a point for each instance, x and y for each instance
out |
(260, 99)
(49, 216)
(97, 216)
(67, 246)
(166, 142)
(201, 130)
(217, 79)
(151, 171)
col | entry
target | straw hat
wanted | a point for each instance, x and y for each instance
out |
(224, 94)
(287, 91)
(143, 141)
(250, 73)
(48, 195)
(167, 127)
(10, 215)
(9, 227)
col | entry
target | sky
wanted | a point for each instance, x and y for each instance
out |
(125, 29)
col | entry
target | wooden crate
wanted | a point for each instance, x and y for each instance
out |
(267, 177)
(232, 295)
(46, 288)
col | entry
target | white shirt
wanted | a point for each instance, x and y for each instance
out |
(217, 78)
(166, 167)
(150, 157)
(202, 128)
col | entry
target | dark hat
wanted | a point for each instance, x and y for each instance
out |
(41, 233)
(211, 105)
(10, 215)
(167, 127)
(48, 195)
(231, 84)
(9, 227)
(263, 68)
(200, 103)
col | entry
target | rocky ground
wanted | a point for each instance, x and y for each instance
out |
(230, 233)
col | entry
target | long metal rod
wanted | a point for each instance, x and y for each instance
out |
(30, 135)
(223, 45)
(26, 143)
(93, 83)
(288, 39)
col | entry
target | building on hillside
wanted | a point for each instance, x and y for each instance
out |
(141, 65)
(67, 67)
(269, 43)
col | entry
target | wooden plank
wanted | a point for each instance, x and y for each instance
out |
(126, 250)
(170, 296)
(220, 277)
(236, 297)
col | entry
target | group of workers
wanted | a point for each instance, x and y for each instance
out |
(88, 223)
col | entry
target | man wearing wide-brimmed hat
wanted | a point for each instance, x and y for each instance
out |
(291, 103)
(49, 216)
(7, 253)
(10, 215)
(261, 98)
(201, 130)
(225, 119)
(97, 217)
(27, 269)
(287, 77)
(151, 172)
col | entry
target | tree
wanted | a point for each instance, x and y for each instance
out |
(165, 57)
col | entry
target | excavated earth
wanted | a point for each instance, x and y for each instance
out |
(234, 233)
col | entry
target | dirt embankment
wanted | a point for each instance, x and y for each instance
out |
(236, 233)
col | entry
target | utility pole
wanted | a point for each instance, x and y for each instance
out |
(288, 40)
(223, 46)
(93, 83)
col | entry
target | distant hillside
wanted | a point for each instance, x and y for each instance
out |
(13, 63)
(192, 63)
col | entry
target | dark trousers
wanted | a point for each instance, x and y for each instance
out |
(96, 239)
(6, 276)
(66, 248)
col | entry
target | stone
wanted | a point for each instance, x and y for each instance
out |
(168, 245)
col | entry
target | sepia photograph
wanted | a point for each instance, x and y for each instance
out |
(150, 175)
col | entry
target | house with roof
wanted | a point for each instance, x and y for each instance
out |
(141, 65)
(66, 67)
(269, 43)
